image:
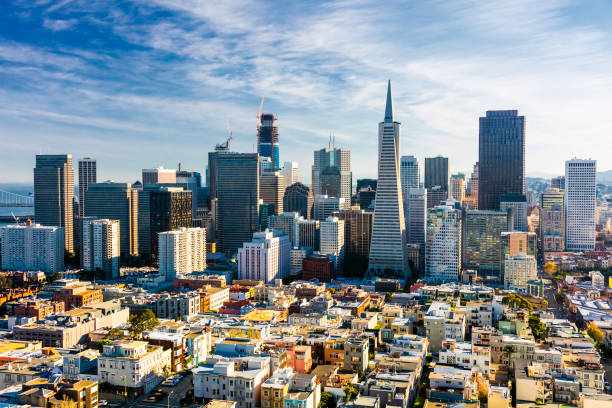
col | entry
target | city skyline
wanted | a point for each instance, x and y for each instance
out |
(86, 77)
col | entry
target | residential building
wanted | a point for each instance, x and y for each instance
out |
(298, 198)
(136, 365)
(388, 244)
(226, 379)
(580, 203)
(443, 244)
(67, 329)
(435, 322)
(116, 201)
(182, 251)
(54, 194)
(514, 242)
(501, 159)
(259, 259)
(519, 269)
(33, 247)
(356, 353)
(78, 296)
(170, 209)
(100, 246)
(552, 229)
(87, 175)
(409, 173)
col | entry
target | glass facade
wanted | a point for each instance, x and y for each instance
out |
(501, 157)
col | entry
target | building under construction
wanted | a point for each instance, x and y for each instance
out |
(267, 138)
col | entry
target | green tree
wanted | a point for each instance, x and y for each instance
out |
(538, 329)
(350, 392)
(327, 400)
(517, 301)
(595, 333)
(142, 322)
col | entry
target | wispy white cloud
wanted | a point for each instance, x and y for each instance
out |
(180, 70)
(59, 25)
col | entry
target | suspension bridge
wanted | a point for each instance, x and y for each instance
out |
(8, 199)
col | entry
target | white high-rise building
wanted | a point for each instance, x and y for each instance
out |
(443, 244)
(409, 173)
(580, 203)
(416, 216)
(518, 269)
(32, 248)
(100, 246)
(290, 173)
(325, 206)
(182, 251)
(388, 246)
(332, 238)
(261, 259)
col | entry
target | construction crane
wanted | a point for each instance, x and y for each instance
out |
(259, 112)
(15, 218)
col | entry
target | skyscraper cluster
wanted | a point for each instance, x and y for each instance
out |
(414, 217)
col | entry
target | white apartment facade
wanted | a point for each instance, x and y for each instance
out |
(259, 259)
(443, 244)
(101, 246)
(182, 251)
(32, 247)
(580, 204)
(332, 238)
(133, 364)
(519, 269)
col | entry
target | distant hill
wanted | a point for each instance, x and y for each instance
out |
(605, 177)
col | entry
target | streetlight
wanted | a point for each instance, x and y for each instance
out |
(171, 392)
(124, 387)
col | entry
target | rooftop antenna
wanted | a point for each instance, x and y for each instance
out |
(179, 166)
(330, 137)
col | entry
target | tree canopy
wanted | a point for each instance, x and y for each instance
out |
(538, 329)
(142, 322)
(327, 400)
(595, 333)
(517, 301)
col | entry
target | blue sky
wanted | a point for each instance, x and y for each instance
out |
(156, 82)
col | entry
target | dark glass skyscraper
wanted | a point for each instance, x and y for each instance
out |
(436, 172)
(267, 138)
(235, 178)
(501, 157)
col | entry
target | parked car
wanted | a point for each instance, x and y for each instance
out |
(151, 398)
